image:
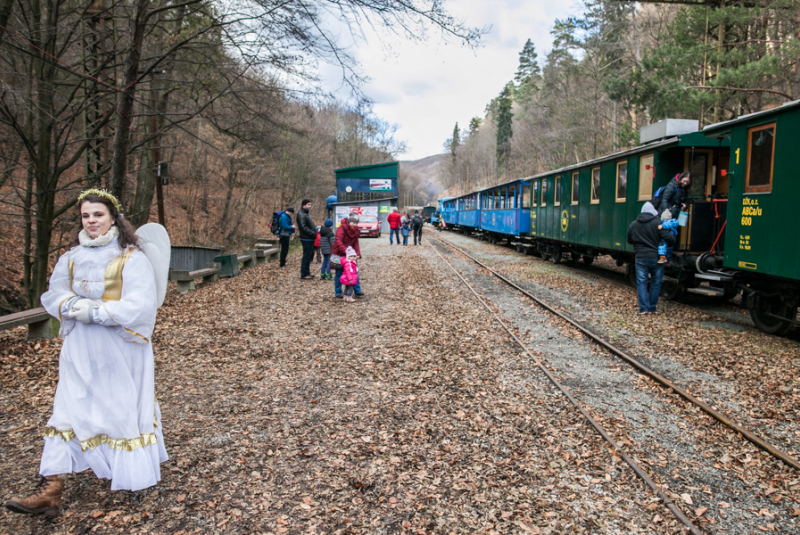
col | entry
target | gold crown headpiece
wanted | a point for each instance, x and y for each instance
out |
(100, 193)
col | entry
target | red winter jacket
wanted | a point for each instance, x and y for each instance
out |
(394, 220)
(316, 242)
(345, 237)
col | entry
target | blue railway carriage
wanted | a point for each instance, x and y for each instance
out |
(505, 210)
(449, 214)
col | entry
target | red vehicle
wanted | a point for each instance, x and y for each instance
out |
(369, 226)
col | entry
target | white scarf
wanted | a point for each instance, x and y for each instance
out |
(99, 241)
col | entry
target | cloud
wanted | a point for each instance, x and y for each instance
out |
(426, 87)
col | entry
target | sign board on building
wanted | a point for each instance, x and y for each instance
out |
(344, 211)
(380, 184)
(384, 209)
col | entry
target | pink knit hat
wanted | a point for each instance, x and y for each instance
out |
(350, 252)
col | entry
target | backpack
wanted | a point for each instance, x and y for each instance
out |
(657, 197)
(416, 221)
(275, 226)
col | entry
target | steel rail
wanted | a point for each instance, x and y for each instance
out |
(749, 435)
(668, 503)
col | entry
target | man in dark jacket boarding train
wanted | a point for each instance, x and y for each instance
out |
(644, 234)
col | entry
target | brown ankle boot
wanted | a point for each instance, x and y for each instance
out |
(45, 500)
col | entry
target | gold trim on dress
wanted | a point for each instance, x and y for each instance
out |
(71, 275)
(134, 333)
(126, 444)
(113, 277)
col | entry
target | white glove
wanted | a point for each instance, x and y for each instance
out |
(82, 310)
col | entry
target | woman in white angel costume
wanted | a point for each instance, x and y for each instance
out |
(105, 291)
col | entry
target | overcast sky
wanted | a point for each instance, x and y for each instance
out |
(424, 88)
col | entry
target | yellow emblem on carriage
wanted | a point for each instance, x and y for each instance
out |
(564, 221)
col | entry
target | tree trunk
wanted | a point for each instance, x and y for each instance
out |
(125, 101)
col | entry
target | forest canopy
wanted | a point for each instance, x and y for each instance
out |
(216, 97)
(622, 65)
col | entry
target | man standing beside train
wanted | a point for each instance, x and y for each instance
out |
(644, 234)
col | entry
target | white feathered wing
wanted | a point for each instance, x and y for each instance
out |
(154, 243)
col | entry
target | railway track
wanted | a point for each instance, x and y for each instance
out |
(741, 430)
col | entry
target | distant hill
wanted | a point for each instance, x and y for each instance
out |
(423, 177)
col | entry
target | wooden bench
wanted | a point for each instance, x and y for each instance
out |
(247, 260)
(41, 325)
(185, 279)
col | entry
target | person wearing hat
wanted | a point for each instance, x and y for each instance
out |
(287, 229)
(346, 236)
(308, 235)
(326, 239)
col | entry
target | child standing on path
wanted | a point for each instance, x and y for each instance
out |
(326, 238)
(405, 230)
(349, 277)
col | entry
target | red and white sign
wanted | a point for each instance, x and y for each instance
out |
(343, 212)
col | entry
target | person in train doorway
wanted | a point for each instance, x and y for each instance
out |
(644, 234)
(394, 226)
(673, 197)
(671, 200)
(286, 232)
(308, 235)
(416, 227)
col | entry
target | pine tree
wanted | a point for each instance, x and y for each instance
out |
(503, 121)
(455, 142)
(474, 125)
(528, 73)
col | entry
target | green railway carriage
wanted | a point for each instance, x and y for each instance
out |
(763, 253)
(584, 210)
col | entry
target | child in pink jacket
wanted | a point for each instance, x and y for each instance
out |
(349, 276)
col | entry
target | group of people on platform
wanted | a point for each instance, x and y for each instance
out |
(653, 234)
(402, 224)
(338, 250)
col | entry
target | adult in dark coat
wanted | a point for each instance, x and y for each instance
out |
(308, 235)
(346, 236)
(326, 239)
(673, 198)
(644, 234)
(416, 226)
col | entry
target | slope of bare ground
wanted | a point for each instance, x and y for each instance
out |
(288, 411)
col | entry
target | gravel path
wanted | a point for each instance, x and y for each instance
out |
(288, 411)
(729, 484)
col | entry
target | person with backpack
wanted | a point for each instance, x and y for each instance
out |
(672, 197)
(416, 226)
(285, 231)
(645, 233)
(308, 235)
(326, 239)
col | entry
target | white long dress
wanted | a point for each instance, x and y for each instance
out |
(105, 416)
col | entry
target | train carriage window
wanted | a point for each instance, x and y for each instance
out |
(760, 158)
(595, 185)
(525, 196)
(557, 192)
(512, 198)
(535, 196)
(647, 173)
(544, 192)
(575, 183)
(622, 181)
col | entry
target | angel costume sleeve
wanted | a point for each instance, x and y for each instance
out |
(105, 416)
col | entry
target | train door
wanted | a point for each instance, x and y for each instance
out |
(524, 212)
(708, 199)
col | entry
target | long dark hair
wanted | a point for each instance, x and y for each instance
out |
(127, 234)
